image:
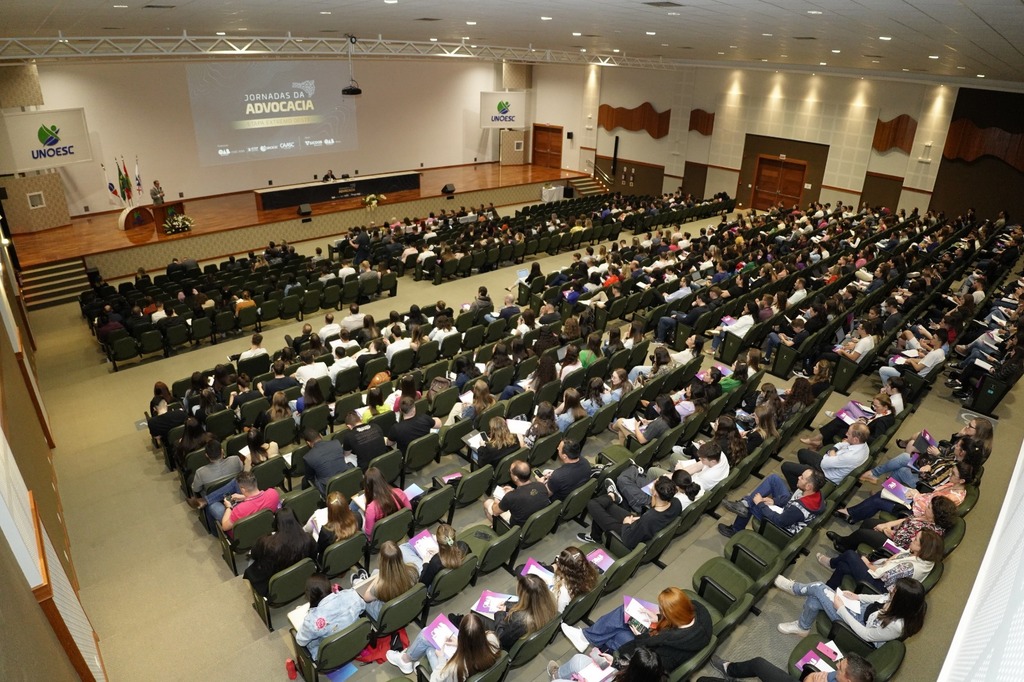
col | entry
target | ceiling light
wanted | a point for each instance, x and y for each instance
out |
(764, 60)
(120, 6)
(835, 51)
(733, 47)
(545, 18)
(583, 49)
(470, 23)
(673, 14)
(906, 69)
(813, 11)
(652, 33)
(221, 33)
(664, 44)
(783, 55)
(390, 2)
(981, 75)
(325, 12)
(767, 35)
(875, 61)
(885, 37)
(933, 56)
(433, 40)
(241, 29)
(962, 68)
(465, 37)
(576, 34)
(822, 63)
(473, 46)
(721, 53)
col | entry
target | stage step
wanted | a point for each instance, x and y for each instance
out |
(588, 186)
(53, 284)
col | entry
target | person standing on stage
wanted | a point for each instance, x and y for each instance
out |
(157, 193)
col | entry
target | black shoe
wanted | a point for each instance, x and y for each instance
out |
(720, 664)
(901, 443)
(727, 531)
(737, 507)
(583, 537)
(836, 539)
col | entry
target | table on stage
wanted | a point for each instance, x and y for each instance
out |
(268, 198)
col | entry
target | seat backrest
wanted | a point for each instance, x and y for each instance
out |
(575, 503)
(623, 569)
(250, 529)
(348, 483)
(660, 542)
(290, 584)
(540, 523)
(270, 474)
(343, 555)
(493, 674)
(578, 608)
(343, 646)
(390, 465)
(394, 528)
(401, 610)
(531, 646)
(500, 550)
(472, 486)
(433, 506)
(451, 581)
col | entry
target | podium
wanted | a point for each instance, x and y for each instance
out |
(135, 217)
(161, 212)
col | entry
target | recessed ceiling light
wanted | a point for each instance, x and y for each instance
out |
(433, 40)
(616, 50)
(221, 33)
(764, 60)
(906, 69)
(981, 75)
(783, 55)
(733, 47)
(813, 11)
(470, 23)
(576, 34)
(465, 37)
(325, 12)
(545, 18)
(473, 46)
(583, 49)
(836, 51)
(885, 37)
(933, 56)
(652, 33)
(120, 6)
(721, 53)
(767, 35)
(822, 63)
(390, 2)
(962, 68)
(673, 14)
(664, 44)
(241, 29)
(875, 61)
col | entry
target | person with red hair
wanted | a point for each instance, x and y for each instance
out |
(679, 630)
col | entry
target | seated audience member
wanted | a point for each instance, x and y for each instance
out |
(961, 474)
(473, 650)
(259, 449)
(520, 500)
(332, 523)
(280, 381)
(608, 517)
(642, 666)
(798, 508)
(249, 500)
(382, 500)
(326, 458)
(877, 424)
(364, 441)
(680, 629)
(286, 546)
(836, 461)
(500, 442)
(881, 618)
(630, 484)
(329, 612)
(217, 469)
(164, 419)
(450, 554)
(410, 425)
(850, 668)
(917, 561)
(574, 472)
(392, 579)
(645, 431)
(939, 517)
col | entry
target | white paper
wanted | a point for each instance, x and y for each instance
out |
(297, 615)
(518, 426)
(287, 458)
(498, 493)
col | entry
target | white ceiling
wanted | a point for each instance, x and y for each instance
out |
(967, 37)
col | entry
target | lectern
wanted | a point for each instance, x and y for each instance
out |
(161, 212)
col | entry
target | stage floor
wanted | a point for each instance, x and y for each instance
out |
(98, 233)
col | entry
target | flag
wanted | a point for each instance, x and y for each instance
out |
(112, 195)
(122, 183)
(127, 180)
(138, 178)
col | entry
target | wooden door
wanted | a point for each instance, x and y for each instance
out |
(547, 146)
(778, 179)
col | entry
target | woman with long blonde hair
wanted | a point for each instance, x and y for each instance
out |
(392, 579)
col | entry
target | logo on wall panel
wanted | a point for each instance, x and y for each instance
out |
(49, 137)
(503, 109)
(308, 87)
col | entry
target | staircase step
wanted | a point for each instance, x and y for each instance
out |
(53, 283)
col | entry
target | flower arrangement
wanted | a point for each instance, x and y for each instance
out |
(178, 222)
(370, 201)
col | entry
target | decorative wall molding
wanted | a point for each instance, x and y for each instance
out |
(643, 117)
(967, 142)
(898, 133)
(702, 121)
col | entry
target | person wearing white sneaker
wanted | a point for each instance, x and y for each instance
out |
(680, 629)
(644, 664)
(850, 668)
(875, 618)
(472, 651)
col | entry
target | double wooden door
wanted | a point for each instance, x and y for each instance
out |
(778, 179)
(547, 146)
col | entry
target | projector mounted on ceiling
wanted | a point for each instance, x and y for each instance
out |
(353, 88)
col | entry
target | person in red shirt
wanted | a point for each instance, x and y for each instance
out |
(247, 502)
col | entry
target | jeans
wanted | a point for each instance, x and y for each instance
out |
(886, 373)
(869, 508)
(573, 666)
(849, 563)
(630, 484)
(772, 486)
(637, 371)
(817, 600)
(899, 468)
(718, 340)
(418, 648)
(806, 458)
(665, 325)
(610, 631)
(410, 556)
(771, 342)
(215, 503)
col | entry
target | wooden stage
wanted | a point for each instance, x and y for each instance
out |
(98, 233)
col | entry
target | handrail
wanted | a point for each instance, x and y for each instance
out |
(601, 175)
